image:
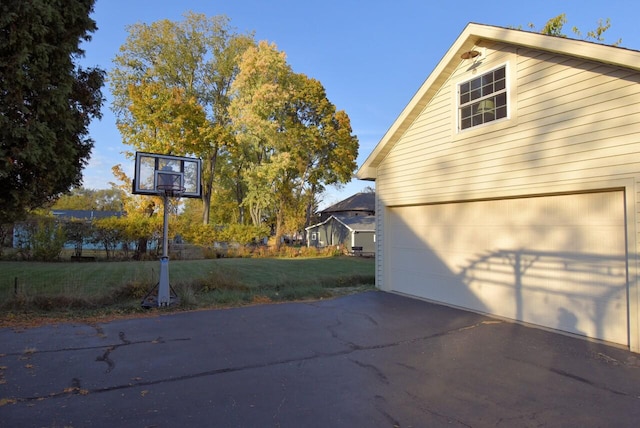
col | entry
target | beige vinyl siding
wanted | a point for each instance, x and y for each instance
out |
(576, 120)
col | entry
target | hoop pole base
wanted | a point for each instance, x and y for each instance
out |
(164, 294)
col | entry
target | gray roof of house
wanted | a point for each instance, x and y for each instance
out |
(85, 214)
(360, 223)
(358, 202)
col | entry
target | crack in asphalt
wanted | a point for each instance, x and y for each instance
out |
(380, 401)
(366, 316)
(123, 338)
(351, 348)
(586, 381)
(105, 357)
(88, 348)
(373, 369)
(572, 376)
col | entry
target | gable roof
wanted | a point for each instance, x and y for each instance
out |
(471, 36)
(365, 223)
(364, 201)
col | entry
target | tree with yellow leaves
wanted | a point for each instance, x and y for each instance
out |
(292, 141)
(170, 86)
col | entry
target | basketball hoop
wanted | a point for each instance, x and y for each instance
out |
(169, 177)
(170, 190)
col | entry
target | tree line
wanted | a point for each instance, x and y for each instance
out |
(269, 138)
(43, 237)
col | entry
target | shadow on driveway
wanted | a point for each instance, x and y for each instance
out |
(367, 360)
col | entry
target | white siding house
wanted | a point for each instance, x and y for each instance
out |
(509, 185)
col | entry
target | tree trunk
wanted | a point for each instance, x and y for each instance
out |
(241, 214)
(239, 199)
(207, 187)
(256, 214)
(206, 205)
(141, 248)
(279, 226)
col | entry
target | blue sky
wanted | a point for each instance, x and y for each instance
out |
(371, 56)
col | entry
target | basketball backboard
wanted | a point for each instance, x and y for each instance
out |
(161, 175)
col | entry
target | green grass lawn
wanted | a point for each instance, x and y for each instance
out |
(76, 288)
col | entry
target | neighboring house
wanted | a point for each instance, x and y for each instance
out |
(20, 232)
(88, 216)
(354, 234)
(349, 224)
(509, 184)
(360, 204)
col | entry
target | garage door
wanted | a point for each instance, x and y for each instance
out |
(556, 261)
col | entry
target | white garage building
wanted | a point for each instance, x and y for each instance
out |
(509, 184)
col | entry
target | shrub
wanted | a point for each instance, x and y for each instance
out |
(77, 232)
(214, 253)
(108, 233)
(309, 252)
(187, 295)
(41, 238)
(242, 251)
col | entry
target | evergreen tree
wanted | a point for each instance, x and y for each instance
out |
(46, 101)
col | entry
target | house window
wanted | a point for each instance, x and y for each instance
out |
(314, 236)
(483, 99)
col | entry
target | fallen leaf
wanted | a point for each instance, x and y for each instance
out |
(5, 401)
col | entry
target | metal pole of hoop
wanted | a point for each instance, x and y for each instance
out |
(164, 290)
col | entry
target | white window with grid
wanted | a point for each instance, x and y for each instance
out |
(483, 99)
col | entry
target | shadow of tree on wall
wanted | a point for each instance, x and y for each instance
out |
(557, 261)
(585, 294)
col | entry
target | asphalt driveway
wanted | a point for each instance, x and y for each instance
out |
(367, 360)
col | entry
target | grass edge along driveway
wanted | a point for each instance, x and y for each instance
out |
(32, 290)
